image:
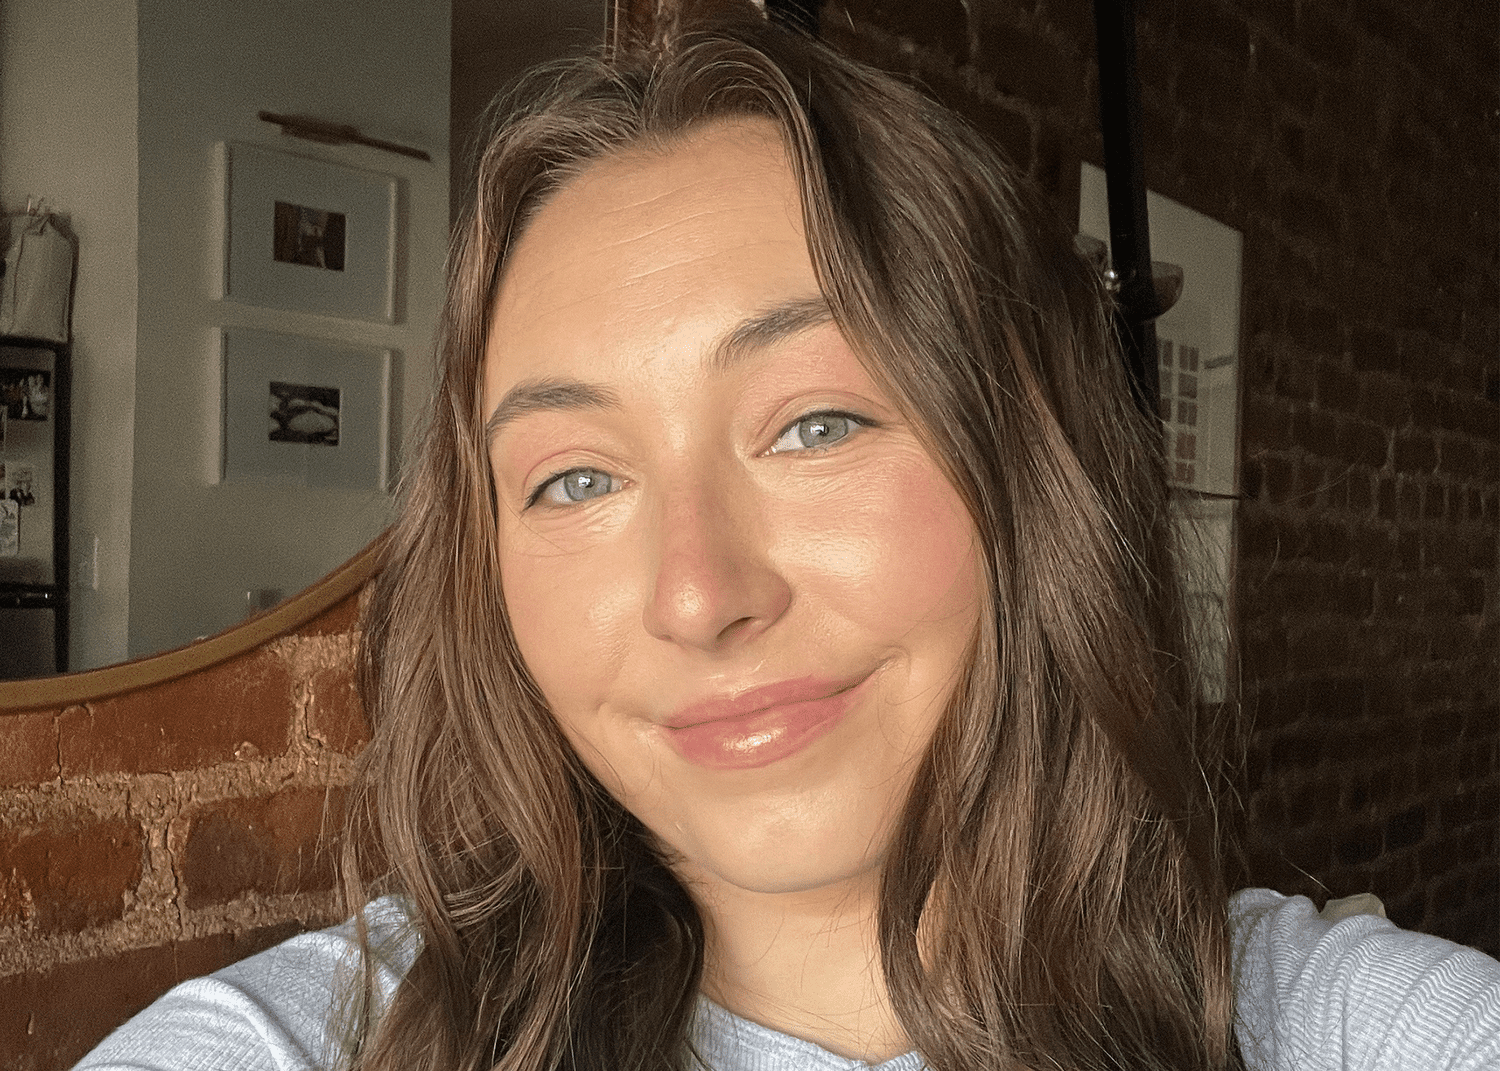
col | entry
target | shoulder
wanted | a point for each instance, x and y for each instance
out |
(279, 1010)
(1338, 990)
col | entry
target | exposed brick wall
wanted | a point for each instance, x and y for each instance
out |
(1356, 146)
(159, 835)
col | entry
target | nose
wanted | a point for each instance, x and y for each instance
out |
(716, 586)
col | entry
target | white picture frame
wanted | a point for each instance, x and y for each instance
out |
(308, 235)
(305, 411)
(1198, 342)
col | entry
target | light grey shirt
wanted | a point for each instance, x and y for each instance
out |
(1313, 993)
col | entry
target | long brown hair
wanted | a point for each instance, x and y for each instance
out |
(1060, 830)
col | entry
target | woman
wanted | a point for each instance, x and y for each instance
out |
(776, 663)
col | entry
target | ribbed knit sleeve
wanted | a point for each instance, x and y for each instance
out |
(1311, 995)
(280, 1010)
(1357, 994)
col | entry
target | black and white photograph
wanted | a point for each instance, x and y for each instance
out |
(305, 411)
(25, 393)
(20, 481)
(308, 236)
(10, 528)
(304, 414)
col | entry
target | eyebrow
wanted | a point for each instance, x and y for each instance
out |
(757, 332)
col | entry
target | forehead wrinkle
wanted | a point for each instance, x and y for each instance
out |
(773, 324)
(545, 293)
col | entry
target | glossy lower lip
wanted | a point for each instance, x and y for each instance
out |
(761, 737)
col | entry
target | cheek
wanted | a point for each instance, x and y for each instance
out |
(895, 551)
(570, 615)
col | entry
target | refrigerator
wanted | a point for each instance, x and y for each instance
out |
(33, 509)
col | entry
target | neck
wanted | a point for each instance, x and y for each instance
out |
(804, 963)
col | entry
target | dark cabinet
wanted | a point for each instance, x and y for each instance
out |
(34, 442)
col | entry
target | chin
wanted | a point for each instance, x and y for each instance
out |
(772, 852)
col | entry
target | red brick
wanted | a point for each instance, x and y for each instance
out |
(270, 845)
(1281, 479)
(191, 722)
(1361, 493)
(1341, 698)
(1309, 215)
(1473, 504)
(50, 1019)
(1318, 650)
(1363, 443)
(1252, 478)
(1435, 502)
(1329, 542)
(1476, 761)
(1029, 65)
(1296, 381)
(1337, 388)
(1385, 498)
(28, 747)
(1292, 81)
(1211, 87)
(1471, 595)
(1358, 844)
(205, 955)
(1261, 535)
(1441, 728)
(1325, 39)
(1408, 500)
(1415, 453)
(1002, 125)
(1479, 805)
(1316, 329)
(1371, 548)
(335, 716)
(1427, 408)
(1383, 399)
(941, 25)
(70, 873)
(1462, 459)
(1318, 432)
(1295, 269)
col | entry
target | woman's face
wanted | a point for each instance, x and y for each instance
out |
(744, 588)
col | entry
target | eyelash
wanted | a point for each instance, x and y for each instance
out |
(858, 421)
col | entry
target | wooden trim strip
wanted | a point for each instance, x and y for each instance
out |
(73, 688)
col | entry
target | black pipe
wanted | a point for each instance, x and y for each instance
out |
(1125, 182)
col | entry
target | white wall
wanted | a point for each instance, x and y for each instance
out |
(68, 133)
(206, 69)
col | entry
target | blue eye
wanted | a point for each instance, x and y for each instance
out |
(817, 430)
(577, 485)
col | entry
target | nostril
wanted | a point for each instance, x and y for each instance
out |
(734, 628)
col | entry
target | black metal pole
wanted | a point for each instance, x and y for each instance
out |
(1125, 182)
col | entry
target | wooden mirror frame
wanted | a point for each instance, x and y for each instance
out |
(75, 688)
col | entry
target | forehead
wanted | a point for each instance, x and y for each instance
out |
(652, 242)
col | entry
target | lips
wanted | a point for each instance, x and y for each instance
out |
(762, 726)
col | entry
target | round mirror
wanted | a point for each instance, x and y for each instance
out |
(253, 313)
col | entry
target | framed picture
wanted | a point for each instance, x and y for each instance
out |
(305, 411)
(1197, 360)
(25, 393)
(10, 527)
(308, 235)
